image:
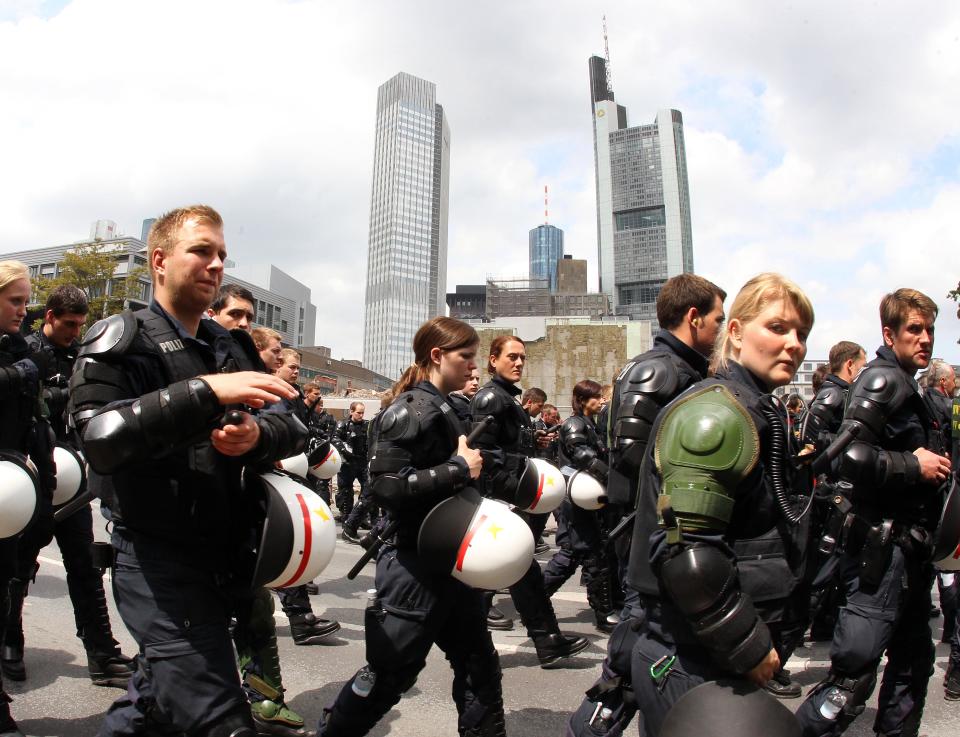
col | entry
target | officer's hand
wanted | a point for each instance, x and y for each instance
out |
(765, 669)
(235, 440)
(471, 456)
(544, 438)
(934, 469)
(252, 388)
(29, 371)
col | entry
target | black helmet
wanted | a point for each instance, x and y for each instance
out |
(729, 708)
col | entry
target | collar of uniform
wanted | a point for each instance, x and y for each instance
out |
(428, 386)
(512, 388)
(208, 332)
(834, 379)
(885, 354)
(59, 350)
(698, 362)
(742, 375)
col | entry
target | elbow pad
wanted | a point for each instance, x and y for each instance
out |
(394, 491)
(151, 427)
(703, 583)
(281, 436)
(867, 468)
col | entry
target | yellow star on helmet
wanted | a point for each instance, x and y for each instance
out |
(494, 529)
(323, 515)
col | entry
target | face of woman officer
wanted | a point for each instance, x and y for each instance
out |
(13, 305)
(771, 345)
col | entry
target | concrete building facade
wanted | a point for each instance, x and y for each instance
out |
(407, 258)
(644, 233)
(572, 275)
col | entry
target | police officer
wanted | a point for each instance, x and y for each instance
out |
(506, 444)
(717, 485)
(148, 397)
(581, 450)
(690, 313)
(889, 493)
(322, 427)
(255, 632)
(548, 419)
(66, 311)
(819, 428)
(22, 428)
(420, 459)
(353, 432)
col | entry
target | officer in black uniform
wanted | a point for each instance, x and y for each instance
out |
(581, 450)
(506, 444)
(354, 433)
(322, 427)
(66, 311)
(148, 398)
(819, 428)
(889, 493)
(420, 459)
(717, 489)
(22, 427)
(690, 313)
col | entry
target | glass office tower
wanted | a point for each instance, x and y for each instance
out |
(546, 249)
(407, 256)
(643, 201)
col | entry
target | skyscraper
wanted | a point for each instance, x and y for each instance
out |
(643, 201)
(407, 257)
(546, 249)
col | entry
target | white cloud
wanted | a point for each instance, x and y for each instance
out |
(806, 124)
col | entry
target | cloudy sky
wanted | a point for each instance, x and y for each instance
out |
(822, 137)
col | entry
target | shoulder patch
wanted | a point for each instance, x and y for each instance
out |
(113, 334)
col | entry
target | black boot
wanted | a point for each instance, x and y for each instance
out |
(951, 684)
(497, 621)
(492, 725)
(605, 622)
(554, 647)
(109, 669)
(11, 656)
(782, 687)
(306, 629)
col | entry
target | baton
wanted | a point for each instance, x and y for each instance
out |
(391, 528)
(622, 526)
(835, 448)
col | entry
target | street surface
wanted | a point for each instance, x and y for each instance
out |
(58, 699)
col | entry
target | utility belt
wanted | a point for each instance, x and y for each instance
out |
(849, 531)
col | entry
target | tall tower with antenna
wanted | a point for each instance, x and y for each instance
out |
(643, 198)
(546, 247)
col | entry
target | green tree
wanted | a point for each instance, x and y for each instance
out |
(954, 294)
(91, 267)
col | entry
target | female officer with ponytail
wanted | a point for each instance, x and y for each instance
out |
(421, 458)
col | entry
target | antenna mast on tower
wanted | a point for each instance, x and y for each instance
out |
(606, 52)
(546, 219)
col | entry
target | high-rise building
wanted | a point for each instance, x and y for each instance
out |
(643, 201)
(546, 248)
(407, 258)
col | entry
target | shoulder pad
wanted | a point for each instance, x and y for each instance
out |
(885, 385)
(574, 425)
(400, 422)
(487, 401)
(113, 334)
(658, 377)
(33, 340)
(831, 396)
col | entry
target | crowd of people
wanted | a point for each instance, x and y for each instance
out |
(715, 526)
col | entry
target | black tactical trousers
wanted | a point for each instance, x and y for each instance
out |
(350, 472)
(892, 617)
(8, 561)
(186, 678)
(74, 537)
(295, 600)
(583, 547)
(416, 609)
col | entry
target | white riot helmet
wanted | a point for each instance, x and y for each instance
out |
(542, 487)
(298, 535)
(946, 551)
(324, 461)
(297, 465)
(19, 490)
(478, 541)
(586, 491)
(71, 474)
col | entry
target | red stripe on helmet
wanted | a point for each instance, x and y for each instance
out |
(307, 542)
(462, 552)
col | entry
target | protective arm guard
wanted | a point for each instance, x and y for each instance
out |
(395, 482)
(148, 428)
(645, 388)
(576, 446)
(703, 583)
(281, 436)
(823, 417)
(876, 395)
(706, 445)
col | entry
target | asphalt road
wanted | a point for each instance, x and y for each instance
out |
(57, 699)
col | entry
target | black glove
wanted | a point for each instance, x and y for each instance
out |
(29, 371)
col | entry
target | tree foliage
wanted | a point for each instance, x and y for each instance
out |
(954, 294)
(91, 268)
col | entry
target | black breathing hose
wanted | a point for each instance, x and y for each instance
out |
(776, 455)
